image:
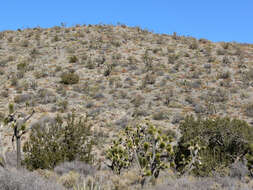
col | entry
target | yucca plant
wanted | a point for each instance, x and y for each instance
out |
(18, 124)
(147, 146)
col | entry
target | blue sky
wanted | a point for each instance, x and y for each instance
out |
(216, 20)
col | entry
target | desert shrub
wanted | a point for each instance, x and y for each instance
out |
(90, 64)
(177, 118)
(45, 96)
(148, 79)
(140, 113)
(22, 98)
(14, 80)
(4, 93)
(224, 75)
(249, 74)
(73, 59)
(248, 108)
(146, 145)
(20, 74)
(40, 73)
(221, 51)
(238, 170)
(160, 115)
(147, 59)
(122, 122)
(11, 158)
(22, 66)
(224, 139)
(225, 45)
(24, 43)
(58, 68)
(77, 166)
(168, 97)
(220, 95)
(207, 183)
(194, 45)
(100, 61)
(108, 70)
(70, 179)
(226, 60)
(91, 184)
(62, 104)
(58, 142)
(69, 78)
(138, 100)
(172, 58)
(24, 180)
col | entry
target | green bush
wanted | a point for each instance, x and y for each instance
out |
(69, 78)
(22, 66)
(73, 59)
(224, 139)
(49, 146)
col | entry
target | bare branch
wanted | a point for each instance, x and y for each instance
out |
(28, 117)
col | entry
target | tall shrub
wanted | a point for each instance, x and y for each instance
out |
(225, 140)
(59, 142)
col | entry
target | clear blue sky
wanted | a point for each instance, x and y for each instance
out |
(216, 20)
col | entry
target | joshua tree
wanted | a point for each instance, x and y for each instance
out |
(19, 129)
(2, 160)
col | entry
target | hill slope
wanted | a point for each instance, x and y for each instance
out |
(124, 73)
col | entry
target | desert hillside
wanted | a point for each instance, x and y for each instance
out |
(115, 75)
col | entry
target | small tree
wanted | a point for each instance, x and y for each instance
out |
(119, 155)
(220, 142)
(19, 129)
(62, 141)
(145, 144)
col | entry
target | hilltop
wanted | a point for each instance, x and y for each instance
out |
(118, 74)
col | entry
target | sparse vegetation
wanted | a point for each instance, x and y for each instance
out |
(117, 76)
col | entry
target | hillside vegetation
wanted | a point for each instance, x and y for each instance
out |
(190, 98)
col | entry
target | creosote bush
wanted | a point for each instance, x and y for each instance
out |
(50, 145)
(73, 59)
(69, 78)
(222, 141)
